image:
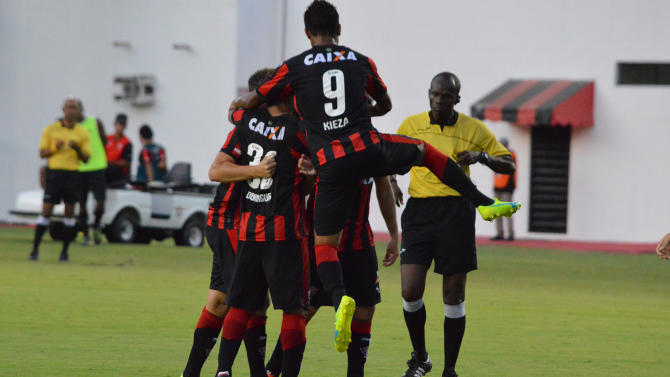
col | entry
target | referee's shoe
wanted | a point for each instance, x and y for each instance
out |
(498, 209)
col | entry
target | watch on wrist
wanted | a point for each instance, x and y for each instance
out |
(484, 157)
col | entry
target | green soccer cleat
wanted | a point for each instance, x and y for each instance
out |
(498, 209)
(343, 317)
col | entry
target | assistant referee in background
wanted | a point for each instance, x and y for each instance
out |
(63, 144)
(438, 223)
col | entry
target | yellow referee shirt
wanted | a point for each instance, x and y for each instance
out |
(468, 134)
(64, 158)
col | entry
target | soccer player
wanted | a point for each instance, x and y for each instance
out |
(153, 164)
(63, 144)
(359, 264)
(271, 254)
(223, 222)
(332, 85)
(438, 223)
(92, 176)
(119, 151)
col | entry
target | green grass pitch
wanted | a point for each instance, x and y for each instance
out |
(130, 310)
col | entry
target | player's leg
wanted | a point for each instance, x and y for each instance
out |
(499, 221)
(255, 340)
(507, 196)
(99, 186)
(69, 230)
(84, 188)
(274, 364)
(42, 226)
(453, 293)
(361, 330)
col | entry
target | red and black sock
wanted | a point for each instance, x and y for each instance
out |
(274, 364)
(454, 328)
(293, 343)
(330, 272)
(204, 338)
(453, 176)
(357, 352)
(254, 341)
(234, 327)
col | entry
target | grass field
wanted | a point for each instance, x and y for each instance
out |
(130, 311)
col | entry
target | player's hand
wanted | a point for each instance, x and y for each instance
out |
(391, 251)
(663, 248)
(73, 144)
(59, 144)
(268, 166)
(233, 105)
(306, 166)
(468, 157)
(397, 193)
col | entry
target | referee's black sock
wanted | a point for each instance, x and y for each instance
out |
(454, 328)
(254, 341)
(415, 319)
(69, 234)
(453, 176)
(330, 272)
(96, 222)
(39, 233)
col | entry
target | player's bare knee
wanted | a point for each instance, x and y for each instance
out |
(216, 303)
(454, 294)
(411, 293)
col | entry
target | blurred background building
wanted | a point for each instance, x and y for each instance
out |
(186, 60)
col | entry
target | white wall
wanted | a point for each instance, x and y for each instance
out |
(619, 172)
(52, 49)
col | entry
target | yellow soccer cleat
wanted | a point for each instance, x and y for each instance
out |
(343, 317)
(498, 209)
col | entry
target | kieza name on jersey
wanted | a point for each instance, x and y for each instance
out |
(335, 124)
(329, 57)
(259, 198)
(269, 131)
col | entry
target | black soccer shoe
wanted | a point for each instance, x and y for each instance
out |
(64, 257)
(418, 368)
(33, 255)
(449, 372)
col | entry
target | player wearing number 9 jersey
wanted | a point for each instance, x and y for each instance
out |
(270, 254)
(331, 84)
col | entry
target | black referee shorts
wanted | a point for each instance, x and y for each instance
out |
(280, 266)
(61, 185)
(223, 243)
(440, 228)
(338, 179)
(95, 181)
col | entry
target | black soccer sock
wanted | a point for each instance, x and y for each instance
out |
(357, 352)
(96, 222)
(234, 327)
(69, 234)
(274, 364)
(204, 338)
(254, 341)
(293, 343)
(83, 219)
(39, 233)
(453, 176)
(454, 328)
(330, 272)
(416, 322)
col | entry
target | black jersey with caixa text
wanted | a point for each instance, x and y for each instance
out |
(272, 209)
(330, 84)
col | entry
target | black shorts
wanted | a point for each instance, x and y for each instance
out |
(361, 278)
(93, 181)
(223, 243)
(338, 179)
(280, 266)
(61, 185)
(442, 229)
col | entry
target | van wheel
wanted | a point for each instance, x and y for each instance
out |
(124, 228)
(192, 234)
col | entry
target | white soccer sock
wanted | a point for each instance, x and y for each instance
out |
(412, 306)
(454, 311)
(41, 220)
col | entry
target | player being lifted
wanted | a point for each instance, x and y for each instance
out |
(271, 254)
(332, 84)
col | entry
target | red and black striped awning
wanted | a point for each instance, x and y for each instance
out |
(539, 102)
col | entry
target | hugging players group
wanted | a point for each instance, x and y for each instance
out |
(305, 129)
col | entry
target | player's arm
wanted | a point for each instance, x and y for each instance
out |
(500, 164)
(249, 101)
(162, 164)
(376, 89)
(46, 150)
(83, 150)
(380, 106)
(386, 202)
(397, 192)
(306, 168)
(225, 168)
(101, 132)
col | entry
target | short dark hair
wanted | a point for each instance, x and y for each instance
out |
(258, 78)
(450, 78)
(121, 119)
(146, 132)
(321, 18)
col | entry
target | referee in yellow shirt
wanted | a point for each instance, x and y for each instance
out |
(438, 223)
(63, 144)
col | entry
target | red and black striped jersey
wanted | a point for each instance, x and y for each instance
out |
(272, 209)
(330, 85)
(224, 210)
(357, 234)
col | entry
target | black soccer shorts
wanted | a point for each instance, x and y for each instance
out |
(95, 181)
(280, 266)
(338, 179)
(61, 185)
(223, 243)
(439, 228)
